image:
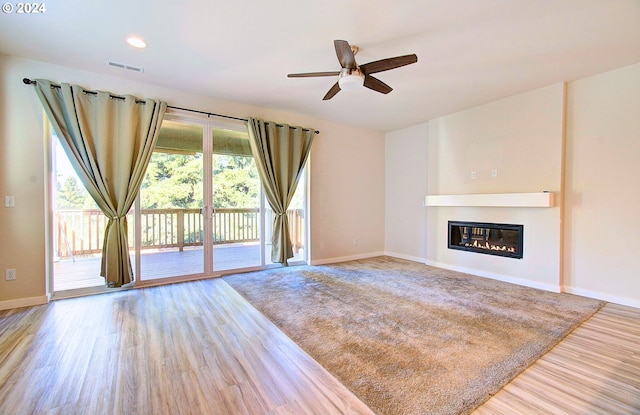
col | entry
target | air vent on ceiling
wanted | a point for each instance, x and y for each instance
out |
(125, 66)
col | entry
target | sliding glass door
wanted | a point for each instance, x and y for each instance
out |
(200, 211)
(199, 206)
(236, 201)
(171, 219)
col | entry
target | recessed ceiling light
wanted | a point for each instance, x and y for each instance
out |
(136, 42)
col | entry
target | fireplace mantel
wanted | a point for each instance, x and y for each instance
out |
(539, 199)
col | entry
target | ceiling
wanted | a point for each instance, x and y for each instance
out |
(469, 51)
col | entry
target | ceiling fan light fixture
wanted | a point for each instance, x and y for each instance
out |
(351, 81)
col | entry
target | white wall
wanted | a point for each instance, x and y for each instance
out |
(602, 220)
(22, 243)
(405, 188)
(520, 136)
(347, 202)
(347, 173)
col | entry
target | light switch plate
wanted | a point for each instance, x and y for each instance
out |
(9, 201)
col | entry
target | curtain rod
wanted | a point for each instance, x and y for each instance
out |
(28, 81)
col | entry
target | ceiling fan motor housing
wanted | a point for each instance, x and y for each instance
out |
(350, 79)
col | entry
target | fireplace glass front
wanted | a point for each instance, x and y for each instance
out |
(487, 238)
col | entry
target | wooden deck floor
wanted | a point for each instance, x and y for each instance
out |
(85, 272)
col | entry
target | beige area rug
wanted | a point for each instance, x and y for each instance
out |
(407, 338)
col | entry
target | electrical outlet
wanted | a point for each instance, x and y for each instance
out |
(9, 202)
(10, 275)
(494, 173)
(355, 242)
(474, 175)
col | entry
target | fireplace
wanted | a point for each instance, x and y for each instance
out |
(487, 238)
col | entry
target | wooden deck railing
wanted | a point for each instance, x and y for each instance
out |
(81, 231)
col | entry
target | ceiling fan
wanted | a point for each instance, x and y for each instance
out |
(353, 75)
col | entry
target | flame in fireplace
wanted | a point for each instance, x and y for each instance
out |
(490, 247)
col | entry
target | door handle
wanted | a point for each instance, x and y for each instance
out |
(207, 211)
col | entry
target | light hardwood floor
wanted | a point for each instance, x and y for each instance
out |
(594, 370)
(188, 348)
(199, 348)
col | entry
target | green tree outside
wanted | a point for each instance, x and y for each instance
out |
(235, 182)
(72, 195)
(175, 181)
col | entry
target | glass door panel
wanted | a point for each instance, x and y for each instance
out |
(297, 226)
(236, 202)
(172, 226)
(78, 228)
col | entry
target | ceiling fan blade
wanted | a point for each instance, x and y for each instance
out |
(376, 84)
(312, 74)
(334, 90)
(345, 54)
(389, 63)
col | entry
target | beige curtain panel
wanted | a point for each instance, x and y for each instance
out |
(280, 152)
(109, 140)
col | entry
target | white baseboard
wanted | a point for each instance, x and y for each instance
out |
(23, 302)
(499, 277)
(345, 258)
(407, 257)
(631, 302)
